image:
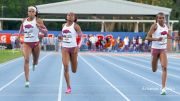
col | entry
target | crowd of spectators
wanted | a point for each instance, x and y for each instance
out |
(111, 44)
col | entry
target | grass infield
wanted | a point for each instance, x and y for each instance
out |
(6, 55)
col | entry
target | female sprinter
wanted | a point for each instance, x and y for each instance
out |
(70, 31)
(159, 34)
(30, 27)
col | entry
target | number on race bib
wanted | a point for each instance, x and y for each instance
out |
(28, 35)
(67, 38)
(164, 40)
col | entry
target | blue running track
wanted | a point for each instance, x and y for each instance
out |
(100, 77)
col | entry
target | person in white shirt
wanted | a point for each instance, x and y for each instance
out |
(134, 44)
(93, 40)
(140, 44)
(30, 28)
(146, 46)
(159, 34)
(13, 38)
(70, 31)
(126, 43)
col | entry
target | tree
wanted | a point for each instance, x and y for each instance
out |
(177, 2)
(18, 9)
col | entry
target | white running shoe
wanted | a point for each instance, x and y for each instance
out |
(163, 91)
(27, 84)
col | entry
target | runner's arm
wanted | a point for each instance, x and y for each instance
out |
(79, 33)
(60, 36)
(169, 33)
(41, 26)
(151, 31)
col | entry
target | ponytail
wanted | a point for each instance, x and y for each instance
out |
(36, 11)
(75, 19)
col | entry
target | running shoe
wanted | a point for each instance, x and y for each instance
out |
(27, 84)
(68, 90)
(163, 91)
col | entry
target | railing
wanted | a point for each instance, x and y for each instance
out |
(89, 20)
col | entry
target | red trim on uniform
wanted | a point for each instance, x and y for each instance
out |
(156, 52)
(32, 44)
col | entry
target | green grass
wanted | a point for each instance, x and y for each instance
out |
(6, 55)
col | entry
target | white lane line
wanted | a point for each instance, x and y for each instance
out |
(10, 82)
(11, 61)
(149, 59)
(60, 83)
(145, 67)
(115, 88)
(174, 57)
(123, 68)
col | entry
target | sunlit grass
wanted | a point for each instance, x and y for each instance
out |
(6, 55)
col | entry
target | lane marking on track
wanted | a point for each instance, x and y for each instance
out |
(13, 80)
(11, 61)
(107, 81)
(121, 67)
(145, 67)
(60, 83)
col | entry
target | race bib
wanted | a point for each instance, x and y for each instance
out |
(28, 35)
(67, 38)
(164, 40)
(28, 31)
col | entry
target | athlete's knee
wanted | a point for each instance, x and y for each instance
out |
(65, 65)
(164, 69)
(66, 69)
(26, 60)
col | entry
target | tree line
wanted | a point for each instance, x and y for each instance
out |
(18, 9)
